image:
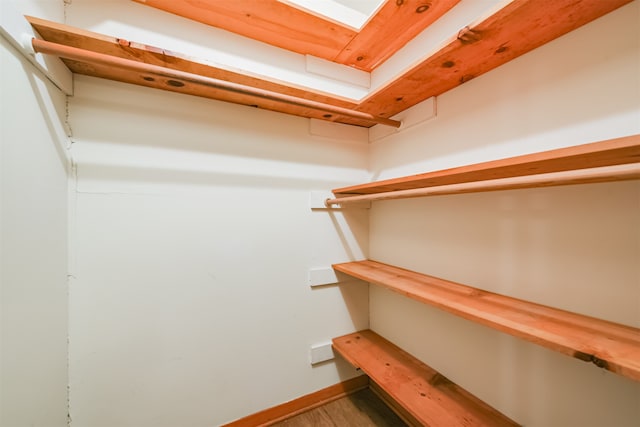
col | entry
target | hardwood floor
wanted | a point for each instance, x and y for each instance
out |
(360, 409)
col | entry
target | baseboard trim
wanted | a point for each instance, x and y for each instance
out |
(301, 404)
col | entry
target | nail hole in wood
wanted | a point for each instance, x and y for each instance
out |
(149, 79)
(326, 116)
(422, 8)
(175, 83)
(466, 78)
(359, 58)
(448, 64)
(502, 49)
(399, 2)
(399, 98)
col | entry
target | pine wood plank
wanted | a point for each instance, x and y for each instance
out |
(429, 397)
(282, 25)
(516, 29)
(394, 24)
(302, 404)
(270, 21)
(608, 345)
(617, 151)
(120, 48)
(572, 177)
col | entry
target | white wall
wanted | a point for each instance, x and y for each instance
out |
(190, 304)
(576, 248)
(33, 242)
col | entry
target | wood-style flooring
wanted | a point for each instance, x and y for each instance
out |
(360, 409)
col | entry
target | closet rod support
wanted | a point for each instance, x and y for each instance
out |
(179, 78)
(578, 176)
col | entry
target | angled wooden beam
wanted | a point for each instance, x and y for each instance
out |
(269, 21)
(395, 24)
(514, 30)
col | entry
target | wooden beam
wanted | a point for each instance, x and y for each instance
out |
(285, 26)
(269, 21)
(617, 151)
(393, 26)
(516, 29)
(425, 394)
(608, 345)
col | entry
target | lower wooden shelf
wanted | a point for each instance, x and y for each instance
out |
(427, 396)
(609, 345)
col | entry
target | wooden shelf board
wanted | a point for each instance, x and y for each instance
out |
(426, 395)
(618, 151)
(519, 27)
(119, 48)
(609, 345)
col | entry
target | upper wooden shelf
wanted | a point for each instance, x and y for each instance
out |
(612, 152)
(608, 345)
(515, 29)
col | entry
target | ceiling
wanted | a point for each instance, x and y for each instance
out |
(512, 29)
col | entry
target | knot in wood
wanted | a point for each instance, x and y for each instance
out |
(468, 35)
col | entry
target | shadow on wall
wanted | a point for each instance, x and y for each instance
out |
(180, 178)
(44, 93)
(121, 114)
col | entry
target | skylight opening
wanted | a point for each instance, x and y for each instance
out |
(350, 13)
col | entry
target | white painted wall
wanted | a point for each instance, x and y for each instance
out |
(33, 242)
(192, 240)
(191, 304)
(576, 248)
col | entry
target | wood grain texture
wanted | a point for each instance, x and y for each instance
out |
(429, 397)
(608, 345)
(397, 408)
(285, 26)
(617, 151)
(302, 404)
(516, 29)
(360, 409)
(269, 21)
(519, 27)
(572, 177)
(393, 26)
(125, 49)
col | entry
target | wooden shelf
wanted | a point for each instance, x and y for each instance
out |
(608, 345)
(144, 54)
(513, 30)
(427, 396)
(612, 152)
